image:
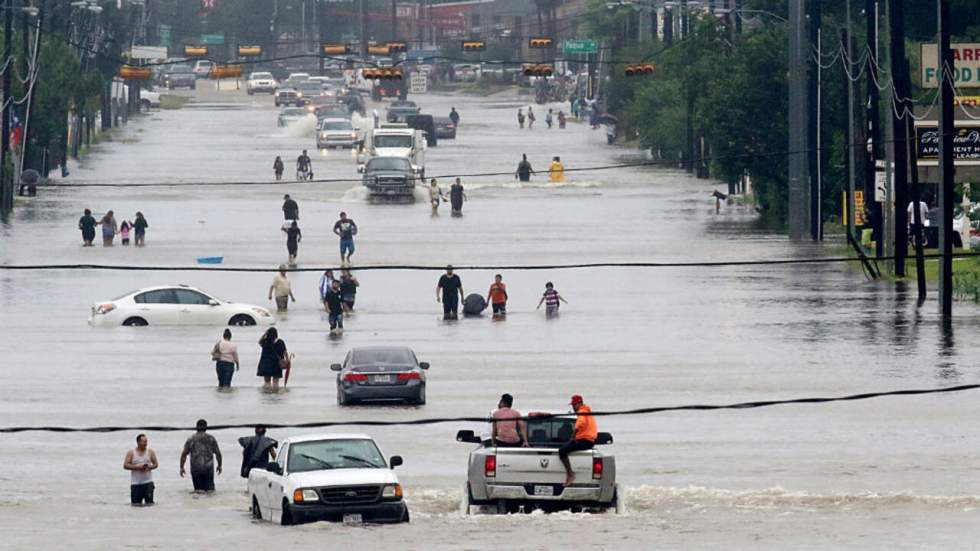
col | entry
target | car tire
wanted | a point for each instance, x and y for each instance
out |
(256, 511)
(342, 399)
(617, 504)
(241, 320)
(287, 514)
(501, 507)
(135, 322)
(145, 104)
(420, 397)
(405, 516)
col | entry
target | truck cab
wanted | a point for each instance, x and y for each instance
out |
(389, 177)
(396, 140)
(508, 479)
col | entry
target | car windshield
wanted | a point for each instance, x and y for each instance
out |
(294, 112)
(404, 105)
(389, 163)
(381, 356)
(309, 86)
(392, 141)
(180, 69)
(262, 76)
(336, 125)
(550, 431)
(334, 454)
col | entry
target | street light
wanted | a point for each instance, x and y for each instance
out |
(29, 10)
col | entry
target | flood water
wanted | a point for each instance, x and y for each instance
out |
(897, 472)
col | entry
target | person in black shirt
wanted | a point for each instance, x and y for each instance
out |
(449, 291)
(454, 116)
(293, 237)
(303, 171)
(87, 224)
(348, 290)
(346, 229)
(139, 226)
(335, 308)
(290, 209)
(524, 170)
(278, 167)
(456, 197)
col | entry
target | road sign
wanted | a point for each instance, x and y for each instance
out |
(420, 83)
(148, 52)
(580, 47)
(165, 33)
(212, 39)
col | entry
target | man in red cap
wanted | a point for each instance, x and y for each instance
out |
(584, 437)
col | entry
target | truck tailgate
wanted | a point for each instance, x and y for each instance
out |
(540, 465)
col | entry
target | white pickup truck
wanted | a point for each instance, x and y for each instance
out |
(328, 477)
(507, 479)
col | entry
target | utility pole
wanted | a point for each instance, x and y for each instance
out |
(394, 20)
(903, 85)
(799, 135)
(874, 125)
(6, 182)
(668, 26)
(813, 124)
(851, 125)
(362, 33)
(946, 173)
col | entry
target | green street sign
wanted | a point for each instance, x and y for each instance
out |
(212, 39)
(580, 47)
(165, 35)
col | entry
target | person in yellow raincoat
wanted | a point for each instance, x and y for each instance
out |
(556, 171)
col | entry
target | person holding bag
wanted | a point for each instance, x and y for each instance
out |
(273, 360)
(225, 356)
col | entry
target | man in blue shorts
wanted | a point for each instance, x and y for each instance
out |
(346, 229)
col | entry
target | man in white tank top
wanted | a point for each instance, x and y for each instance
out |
(140, 463)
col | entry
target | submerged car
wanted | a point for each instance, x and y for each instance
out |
(287, 96)
(339, 477)
(381, 373)
(390, 177)
(175, 305)
(306, 90)
(445, 128)
(336, 132)
(398, 110)
(290, 115)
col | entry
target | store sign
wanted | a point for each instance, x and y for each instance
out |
(966, 141)
(966, 65)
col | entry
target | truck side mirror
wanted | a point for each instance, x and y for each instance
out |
(603, 438)
(274, 468)
(395, 461)
(423, 365)
(360, 169)
(467, 436)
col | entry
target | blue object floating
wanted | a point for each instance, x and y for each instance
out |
(210, 259)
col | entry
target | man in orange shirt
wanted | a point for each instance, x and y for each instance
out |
(586, 432)
(497, 297)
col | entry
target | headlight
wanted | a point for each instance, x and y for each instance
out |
(262, 312)
(299, 94)
(353, 135)
(303, 495)
(105, 308)
(392, 491)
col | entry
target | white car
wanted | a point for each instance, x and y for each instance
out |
(328, 477)
(261, 82)
(202, 68)
(175, 305)
(149, 98)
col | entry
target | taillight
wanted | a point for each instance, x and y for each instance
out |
(354, 377)
(491, 465)
(410, 376)
(105, 308)
(596, 467)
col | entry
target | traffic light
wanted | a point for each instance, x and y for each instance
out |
(378, 50)
(226, 71)
(397, 47)
(642, 69)
(195, 51)
(382, 73)
(540, 43)
(542, 70)
(474, 45)
(249, 51)
(336, 48)
(128, 72)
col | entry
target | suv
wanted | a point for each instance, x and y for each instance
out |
(202, 68)
(398, 110)
(533, 478)
(261, 82)
(389, 177)
(328, 477)
(179, 75)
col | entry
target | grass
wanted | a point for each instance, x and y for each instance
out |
(168, 101)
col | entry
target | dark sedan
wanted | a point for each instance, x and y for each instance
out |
(445, 129)
(380, 373)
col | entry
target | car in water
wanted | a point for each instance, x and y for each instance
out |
(330, 109)
(290, 115)
(398, 110)
(175, 305)
(509, 479)
(380, 373)
(202, 68)
(307, 90)
(179, 76)
(260, 82)
(336, 132)
(331, 477)
(445, 128)
(287, 96)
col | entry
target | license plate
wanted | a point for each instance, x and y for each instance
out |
(544, 491)
(381, 379)
(353, 519)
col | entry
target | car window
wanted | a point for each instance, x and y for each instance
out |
(334, 454)
(389, 163)
(159, 296)
(388, 356)
(550, 430)
(186, 296)
(336, 125)
(256, 76)
(393, 141)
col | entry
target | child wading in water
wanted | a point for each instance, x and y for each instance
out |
(551, 300)
(124, 232)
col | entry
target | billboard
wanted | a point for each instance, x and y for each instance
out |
(966, 141)
(966, 65)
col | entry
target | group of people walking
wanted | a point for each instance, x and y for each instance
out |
(556, 170)
(449, 292)
(345, 228)
(111, 227)
(205, 460)
(549, 118)
(274, 359)
(456, 196)
(304, 167)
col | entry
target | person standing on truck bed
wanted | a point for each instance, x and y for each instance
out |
(586, 432)
(509, 429)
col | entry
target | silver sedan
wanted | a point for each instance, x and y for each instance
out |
(381, 373)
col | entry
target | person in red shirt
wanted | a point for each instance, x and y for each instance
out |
(586, 432)
(497, 297)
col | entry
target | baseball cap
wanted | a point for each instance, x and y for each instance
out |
(576, 399)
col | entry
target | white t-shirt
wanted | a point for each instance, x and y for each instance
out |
(923, 210)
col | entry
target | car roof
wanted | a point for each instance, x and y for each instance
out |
(380, 348)
(315, 437)
(159, 287)
(442, 119)
(335, 119)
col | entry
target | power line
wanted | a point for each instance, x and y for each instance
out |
(440, 420)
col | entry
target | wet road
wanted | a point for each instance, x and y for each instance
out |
(894, 471)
